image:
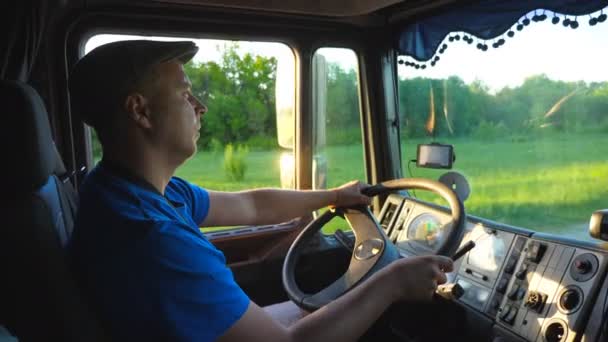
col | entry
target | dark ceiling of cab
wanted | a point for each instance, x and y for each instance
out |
(389, 10)
(327, 8)
(333, 8)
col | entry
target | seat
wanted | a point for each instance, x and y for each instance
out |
(39, 299)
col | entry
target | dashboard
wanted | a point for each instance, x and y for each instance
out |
(530, 286)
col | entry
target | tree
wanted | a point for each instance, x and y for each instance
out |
(239, 92)
(472, 109)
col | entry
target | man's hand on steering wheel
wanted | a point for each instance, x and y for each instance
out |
(349, 195)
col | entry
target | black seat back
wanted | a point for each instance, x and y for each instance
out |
(38, 296)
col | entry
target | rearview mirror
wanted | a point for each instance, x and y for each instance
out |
(598, 225)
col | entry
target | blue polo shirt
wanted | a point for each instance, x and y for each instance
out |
(145, 266)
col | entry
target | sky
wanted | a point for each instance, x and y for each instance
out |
(559, 52)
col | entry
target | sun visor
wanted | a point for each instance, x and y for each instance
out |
(488, 24)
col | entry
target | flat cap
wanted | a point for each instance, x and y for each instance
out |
(100, 78)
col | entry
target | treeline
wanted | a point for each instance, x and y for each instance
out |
(239, 91)
(539, 105)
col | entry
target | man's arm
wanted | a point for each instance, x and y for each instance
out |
(271, 206)
(348, 317)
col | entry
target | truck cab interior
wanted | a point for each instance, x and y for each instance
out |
(482, 121)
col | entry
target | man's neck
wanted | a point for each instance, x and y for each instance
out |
(147, 166)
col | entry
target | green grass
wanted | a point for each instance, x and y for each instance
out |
(344, 163)
(552, 184)
(206, 169)
(549, 184)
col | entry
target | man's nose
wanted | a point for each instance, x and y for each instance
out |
(199, 107)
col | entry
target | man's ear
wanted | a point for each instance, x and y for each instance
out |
(137, 107)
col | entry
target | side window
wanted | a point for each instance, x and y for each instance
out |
(239, 145)
(338, 147)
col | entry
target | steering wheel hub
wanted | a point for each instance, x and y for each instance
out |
(369, 248)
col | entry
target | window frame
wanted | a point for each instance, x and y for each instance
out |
(293, 35)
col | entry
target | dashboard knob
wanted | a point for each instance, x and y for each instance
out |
(582, 266)
(536, 301)
(569, 300)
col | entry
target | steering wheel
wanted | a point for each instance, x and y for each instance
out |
(373, 250)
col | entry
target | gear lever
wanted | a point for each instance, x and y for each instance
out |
(451, 291)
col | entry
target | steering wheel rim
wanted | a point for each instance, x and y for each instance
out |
(373, 250)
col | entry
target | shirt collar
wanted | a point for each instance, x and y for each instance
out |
(120, 171)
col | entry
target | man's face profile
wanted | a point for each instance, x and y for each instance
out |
(174, 114)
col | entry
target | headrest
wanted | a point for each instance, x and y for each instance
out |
(28, 151)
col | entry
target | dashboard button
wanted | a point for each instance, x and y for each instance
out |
(510, 317)
(514, 294)
(502, 285)
(521, 274)
(521, 293)
(510, 266)
(582, 266)
(505, 312)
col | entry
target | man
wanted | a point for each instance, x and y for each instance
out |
(137, 250)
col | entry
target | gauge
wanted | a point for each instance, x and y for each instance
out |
(426, 229)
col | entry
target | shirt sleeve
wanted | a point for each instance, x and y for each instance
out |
(195, 197)
(198, 295)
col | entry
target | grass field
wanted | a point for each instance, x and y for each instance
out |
(551, 184)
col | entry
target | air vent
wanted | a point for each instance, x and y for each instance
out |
(388, 215)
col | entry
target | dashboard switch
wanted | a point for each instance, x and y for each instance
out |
(521, 274)
(515, 292)
(511, 316)
(494, 306)
(502, 285)
(521, 293)
(508, 315)
(510, 266)
(535, 252)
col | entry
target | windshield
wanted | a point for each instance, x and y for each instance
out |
(528, 121)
